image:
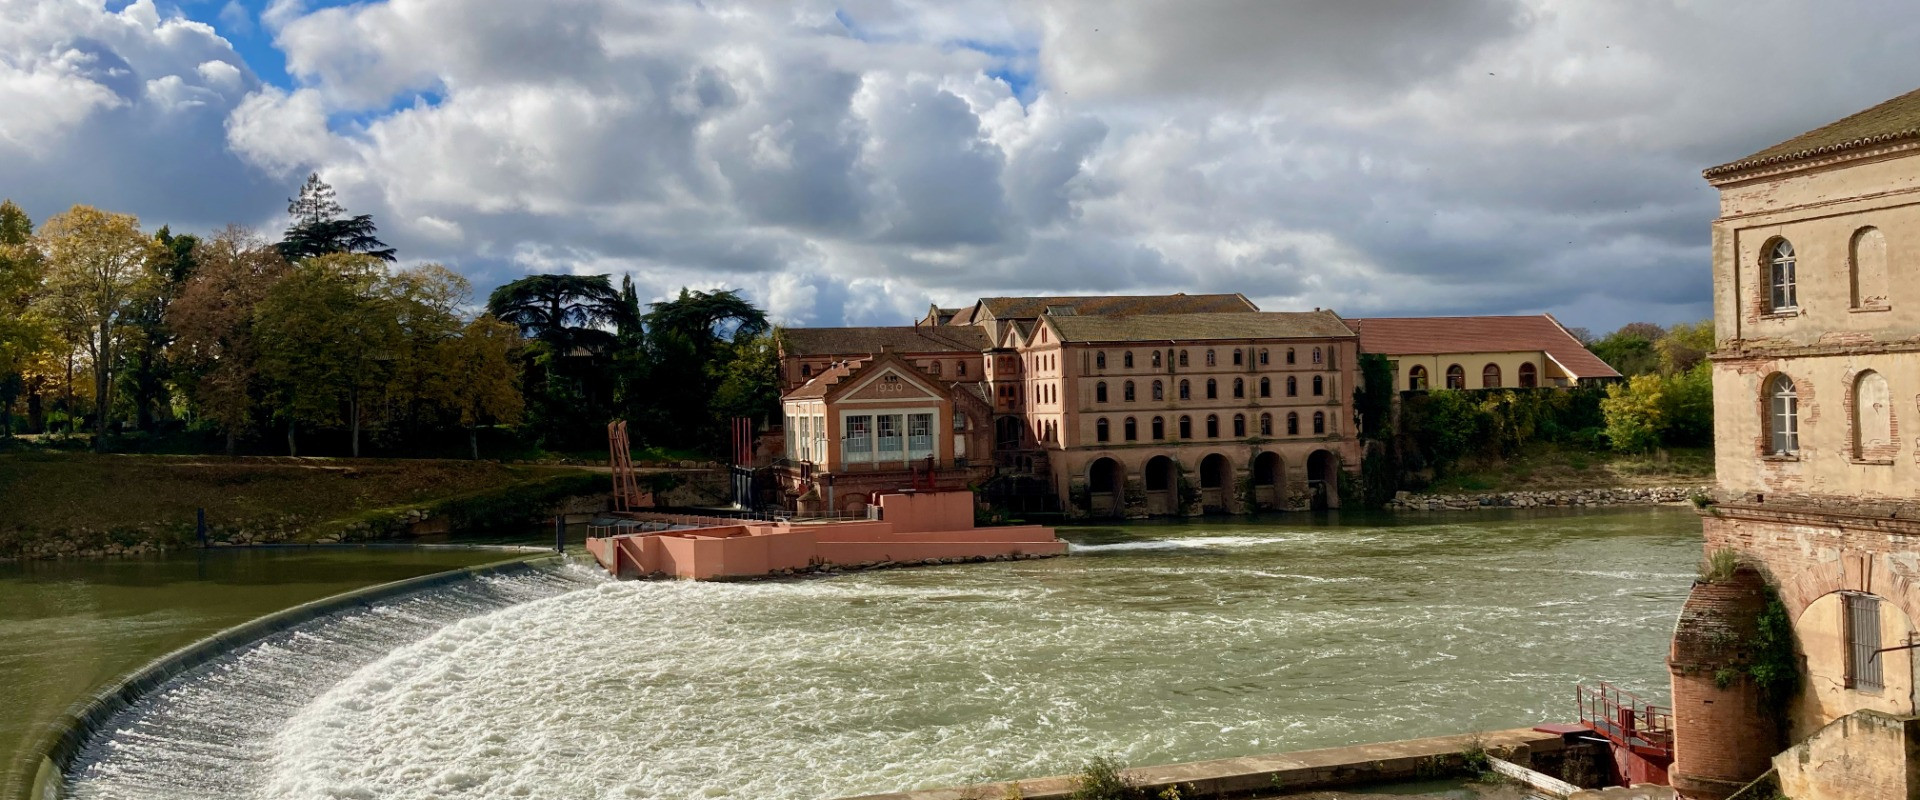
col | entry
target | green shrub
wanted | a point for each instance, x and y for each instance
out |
(1102, 779)
(1719, 565)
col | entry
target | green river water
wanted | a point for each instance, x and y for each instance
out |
(1153, 642)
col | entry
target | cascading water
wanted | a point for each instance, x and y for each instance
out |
(1153, 644)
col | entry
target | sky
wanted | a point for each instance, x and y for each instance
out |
(851, 162)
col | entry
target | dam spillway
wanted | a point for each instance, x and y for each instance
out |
(1155, 644)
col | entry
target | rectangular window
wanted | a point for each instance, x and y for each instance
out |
(792, 441)
(859, 445)
(1863, 642)
(806, 440)
(892, 441)
(820, 437)
(919, 435)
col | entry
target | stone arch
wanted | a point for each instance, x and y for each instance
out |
(1269, 480)
(1867, 268)
(1162, 477)
(1323, 479)
(1216, 483)
(1106, 486)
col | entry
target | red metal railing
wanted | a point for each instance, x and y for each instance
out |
(1626, 720)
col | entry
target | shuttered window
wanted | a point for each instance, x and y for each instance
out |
(1863, 642)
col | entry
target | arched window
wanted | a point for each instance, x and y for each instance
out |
(1293, 424)
(1490, 376)
(1183, 358)
(1293, 386)
(1239, 388)
(1456, 377)
(1210, 361)
(1872, 417)
(1236, 357)
(934, 368)
(1319, 386)
(1159, 428)
(1100, 392)
(1100, 360)
(1868, 263)
(1417, 378)
(1239, 426)
(1159, 391)
(806, 370)
(1263, 356)
(1266, 424)
(960, 368)
(1529, 376)
(1290, 355)
(1213, 389)
(1780, 276)
(1186, 390)
(1266, 387)
(1213, 426)
(1784, 432)
(1316, 355)
(1100, 429)
(1126, 391)
(1319, 422)
(1126, 359)
(1186, 427)
(1130, 429)
(1156, 359)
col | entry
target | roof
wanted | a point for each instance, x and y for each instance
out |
(868, 341)
(1402, 336)
(1893, 120)
(1192, 327)
(824, 382)
(1102, 305)
(845, 373)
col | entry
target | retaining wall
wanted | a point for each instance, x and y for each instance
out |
(61, 746)
(1559, 498)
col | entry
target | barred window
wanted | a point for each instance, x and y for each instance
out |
(1863, 642)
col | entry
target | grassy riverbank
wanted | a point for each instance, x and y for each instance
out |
(1546, 467)
(102, 501)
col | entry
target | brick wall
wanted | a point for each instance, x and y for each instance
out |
(1723, 738)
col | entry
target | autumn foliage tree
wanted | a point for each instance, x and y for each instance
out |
(215, 353)
(97, 273)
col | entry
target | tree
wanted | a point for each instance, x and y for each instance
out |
(1630, 349)
(1684, 346)
(23, 335)
(691, 341)
(749, 382)
(97, 271)
(482, 378)
(1634, 413)
(328, 338)
(569, 384)
(707, 318)
(564, 311)
(215, 355)
(146, 377)
(427, 301)
(320, 227)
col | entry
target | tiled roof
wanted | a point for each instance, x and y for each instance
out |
(1400, 336)
(867, 341)
(1890, 121)
(1199, 327)
(826, 380)
(1103, 305)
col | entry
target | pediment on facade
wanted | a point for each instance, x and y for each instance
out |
(889, 383)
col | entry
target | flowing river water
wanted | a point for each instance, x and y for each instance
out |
(1152, 643)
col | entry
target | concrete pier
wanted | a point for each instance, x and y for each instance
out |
(1281, 773)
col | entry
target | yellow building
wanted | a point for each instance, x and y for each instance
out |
(1480, 352)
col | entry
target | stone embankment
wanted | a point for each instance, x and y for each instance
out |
(1560, 498)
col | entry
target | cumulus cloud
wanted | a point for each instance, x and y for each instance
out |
(852, 161)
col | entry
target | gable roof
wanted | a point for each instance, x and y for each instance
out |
(846, 375)
(1192, 327)
(1893, 120)
(871, 341)
(1104, 305)
(1402, 336)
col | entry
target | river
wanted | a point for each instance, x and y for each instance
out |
(1153, 643)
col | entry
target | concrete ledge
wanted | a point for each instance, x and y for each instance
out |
(1284, 772)
(60, 746)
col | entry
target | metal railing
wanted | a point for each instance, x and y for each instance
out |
(1625, 719)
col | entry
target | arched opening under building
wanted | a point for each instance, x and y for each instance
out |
(1163, 486)
(1006, 433)
(1269, 480)
(1323, 479)
(1216, 483)
(1106, 485)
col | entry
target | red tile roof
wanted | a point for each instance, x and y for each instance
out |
(1111, 305)
(1894, 120)
(870, 341)
(1397, 336)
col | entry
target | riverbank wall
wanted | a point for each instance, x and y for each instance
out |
(1558, 498)
(1310, 770)
(63, 743)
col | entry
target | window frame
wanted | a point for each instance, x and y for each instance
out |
(1860, 623)
(1782, 417)
(1783, 290)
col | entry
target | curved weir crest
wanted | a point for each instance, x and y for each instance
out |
(1241, 640)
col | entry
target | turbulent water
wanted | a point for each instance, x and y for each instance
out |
(1153, 643)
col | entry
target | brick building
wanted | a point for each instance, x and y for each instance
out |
(1817, 357)
(1119, 405)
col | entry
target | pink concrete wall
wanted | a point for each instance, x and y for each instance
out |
(862, 552)
(929, 511)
